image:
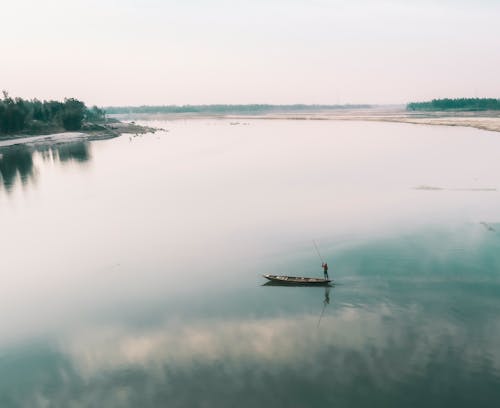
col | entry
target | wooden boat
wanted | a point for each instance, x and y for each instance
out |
(296, 280)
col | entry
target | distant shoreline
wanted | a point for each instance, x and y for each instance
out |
(483, 120)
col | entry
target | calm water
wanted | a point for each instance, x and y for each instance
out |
(130, 269)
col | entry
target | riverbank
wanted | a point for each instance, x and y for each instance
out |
(108, 130)
(487, 120)
(484, 120)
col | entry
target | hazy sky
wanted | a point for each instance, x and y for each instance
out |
(131, 52)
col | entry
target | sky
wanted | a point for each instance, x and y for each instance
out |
(162, 52)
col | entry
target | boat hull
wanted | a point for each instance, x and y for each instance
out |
(296, 280)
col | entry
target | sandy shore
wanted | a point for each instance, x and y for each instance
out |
(487, 120)
(107, 131)
(492, 124)
(479, 120)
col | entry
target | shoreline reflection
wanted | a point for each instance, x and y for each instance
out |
(17, 164)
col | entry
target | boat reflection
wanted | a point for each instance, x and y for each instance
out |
(326, 299)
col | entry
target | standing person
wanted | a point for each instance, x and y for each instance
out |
(324, 265)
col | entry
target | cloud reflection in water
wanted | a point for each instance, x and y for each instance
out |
(393, 351)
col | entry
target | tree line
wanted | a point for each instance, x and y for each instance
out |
(466, 104)
(250, 109)
(34, 116)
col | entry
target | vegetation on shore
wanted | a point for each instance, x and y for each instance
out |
(459, 104)
(252, 109)
(18, 115)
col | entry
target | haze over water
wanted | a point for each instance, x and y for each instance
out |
(130, 269)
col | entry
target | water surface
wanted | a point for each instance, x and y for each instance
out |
(131, 268)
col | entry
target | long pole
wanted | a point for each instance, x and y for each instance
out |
(317, 250)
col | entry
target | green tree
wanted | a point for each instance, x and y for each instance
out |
(73, 114)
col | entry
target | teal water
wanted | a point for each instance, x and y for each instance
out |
(130, 269)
